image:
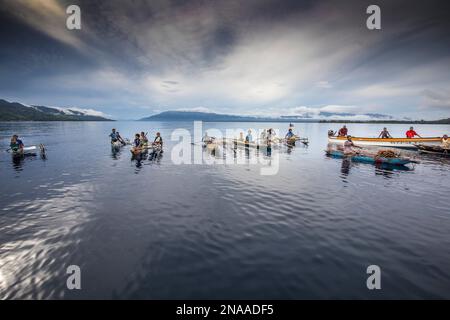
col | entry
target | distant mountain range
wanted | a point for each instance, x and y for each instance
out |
(14, 111)
(216, 117)
(316, 117)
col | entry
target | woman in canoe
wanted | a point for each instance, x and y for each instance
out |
(16, 144)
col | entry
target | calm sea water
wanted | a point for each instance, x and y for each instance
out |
(154, 229)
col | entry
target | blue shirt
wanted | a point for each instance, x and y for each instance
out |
(249, 138)
(114, 135)
(289, 134)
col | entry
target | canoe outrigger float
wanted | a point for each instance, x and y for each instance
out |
(405, 143)
(366, 158)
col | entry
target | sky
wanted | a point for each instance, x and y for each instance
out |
(136, 58)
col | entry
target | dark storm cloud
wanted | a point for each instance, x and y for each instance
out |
(231, 56)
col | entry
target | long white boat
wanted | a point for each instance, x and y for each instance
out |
(405, 143)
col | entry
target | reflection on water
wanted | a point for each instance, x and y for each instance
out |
(309, 231)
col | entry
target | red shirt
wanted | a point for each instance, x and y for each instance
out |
(342, 132)
(411, 134)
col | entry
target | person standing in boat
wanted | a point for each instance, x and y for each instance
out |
(115, 136)
(343, 131)
(16, 144)
(411, 133)
(385, 134)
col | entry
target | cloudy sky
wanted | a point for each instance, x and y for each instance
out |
(261, 57)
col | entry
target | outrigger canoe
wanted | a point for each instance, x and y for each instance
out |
(27, 151)
(259, 145)
(369, 158)
(141, 150)
(433, 149)
(405, 143)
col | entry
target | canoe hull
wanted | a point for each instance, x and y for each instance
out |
(27, 151)
(369, 159)
(404, 143)
(433, 150)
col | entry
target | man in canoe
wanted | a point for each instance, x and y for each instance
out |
(289, 134)
(207, 139)
(248, 137)
(445, 142)
(144, 139)
(349, 145)
(137, 140)
(158, 142)
(343, 131)
(16, 144)
(385, 134)
(411, 133)
(115, 136)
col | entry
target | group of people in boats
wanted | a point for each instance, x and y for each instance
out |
(267, 136)
(140, 139)
(384, 134)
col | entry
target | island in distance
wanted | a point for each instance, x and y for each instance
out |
(14, 111)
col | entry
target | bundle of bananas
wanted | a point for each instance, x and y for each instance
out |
(387, 154)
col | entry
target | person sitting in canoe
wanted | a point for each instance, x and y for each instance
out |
(445, 142)
(289, 134)
(248, 137)
(207, 139)
(263, 135)
(343, 131)
(411, 133)
(349, 145)
(137, 141)
(137, 145)
(115, 136)
(16, 144)
(385, 134)
(158, 142)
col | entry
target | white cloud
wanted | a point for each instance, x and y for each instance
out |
(323, 84)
